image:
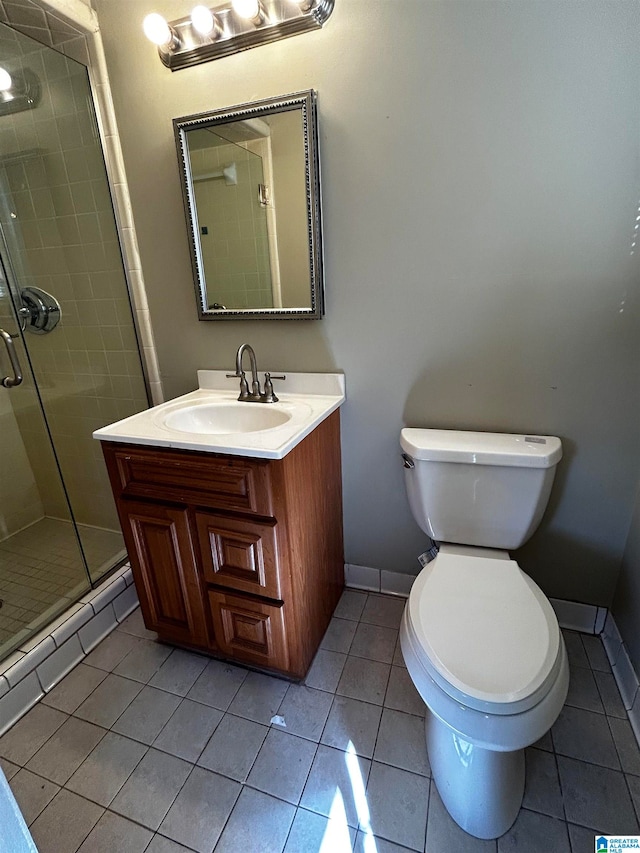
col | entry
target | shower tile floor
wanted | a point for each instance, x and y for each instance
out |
(144, 747)
(41, 570)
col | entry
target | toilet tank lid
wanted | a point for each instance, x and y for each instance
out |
(482, 448)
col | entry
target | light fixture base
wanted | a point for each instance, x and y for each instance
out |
(281, 19)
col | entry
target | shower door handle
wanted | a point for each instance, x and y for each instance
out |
(16, 379)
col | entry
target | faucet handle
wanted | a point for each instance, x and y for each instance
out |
(269, 396)
(244, 385)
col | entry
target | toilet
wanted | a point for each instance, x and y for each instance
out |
(480, 639)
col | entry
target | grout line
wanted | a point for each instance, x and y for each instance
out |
(160, 835)
(44, 778)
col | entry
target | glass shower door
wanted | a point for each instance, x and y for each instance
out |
(64, 300)
(42, 570)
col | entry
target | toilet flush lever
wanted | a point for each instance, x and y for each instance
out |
(407, 461)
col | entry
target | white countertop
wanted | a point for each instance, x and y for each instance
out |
(309, 398)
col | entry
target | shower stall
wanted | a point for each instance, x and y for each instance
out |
(69, 355)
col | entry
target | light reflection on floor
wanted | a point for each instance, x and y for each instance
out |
(337, 837)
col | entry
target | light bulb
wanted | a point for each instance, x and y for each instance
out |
(247, 8)
(202, 20)
(157, 30)
(5, 80)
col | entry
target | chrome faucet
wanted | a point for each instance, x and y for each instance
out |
(256, 395)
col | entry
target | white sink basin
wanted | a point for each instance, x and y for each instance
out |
(212, 420)
(225, 418)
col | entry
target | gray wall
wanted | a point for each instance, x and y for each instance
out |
(480, 174)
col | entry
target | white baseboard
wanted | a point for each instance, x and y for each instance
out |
(378, 580)
(623, 672)
(586, 618)
(362, 577)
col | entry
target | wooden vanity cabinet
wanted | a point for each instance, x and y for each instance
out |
(235, 556)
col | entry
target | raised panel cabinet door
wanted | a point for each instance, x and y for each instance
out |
(239, 553)
(164, 566)
(248, 630)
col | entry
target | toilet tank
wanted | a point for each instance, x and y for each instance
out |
(479, 488)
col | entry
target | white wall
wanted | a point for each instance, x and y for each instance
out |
(481, 176)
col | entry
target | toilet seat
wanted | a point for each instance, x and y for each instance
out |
(484, 632)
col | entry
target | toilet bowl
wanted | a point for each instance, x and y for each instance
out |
(480, 640)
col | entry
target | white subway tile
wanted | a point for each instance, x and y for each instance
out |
(99, 598)
(601, 618)
(626, 678)
(78, 616)
(98, 628)
(62, 661)
(362, 577)
(396, 583)
(611, 639)
(125, 603)
(574, 615)
(30, 661)
(11, 661)
(18, 701)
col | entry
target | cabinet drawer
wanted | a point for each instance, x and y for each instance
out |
(205, 479)
(239, 553)
(248, 630)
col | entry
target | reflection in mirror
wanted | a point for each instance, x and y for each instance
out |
(251, 195)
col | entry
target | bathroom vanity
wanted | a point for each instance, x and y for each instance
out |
(235, 539)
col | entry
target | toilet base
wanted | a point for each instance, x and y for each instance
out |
(482, 789)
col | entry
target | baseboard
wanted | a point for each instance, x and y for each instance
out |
(378, 580)
(586, 618)
(623, 672)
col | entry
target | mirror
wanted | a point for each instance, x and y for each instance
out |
(250, 184)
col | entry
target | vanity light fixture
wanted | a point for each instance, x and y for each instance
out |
(211, 33)
(19, 90)
(6, 81)
(250, 10)
(205, 22)
(158, 31)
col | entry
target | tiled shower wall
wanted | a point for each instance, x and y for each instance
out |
(60, 225)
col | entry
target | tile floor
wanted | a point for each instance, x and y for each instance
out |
(41, 571)
(144, 747)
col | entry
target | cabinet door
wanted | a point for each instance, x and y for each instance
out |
(250, 630)
(239, 553)
(164, 567)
